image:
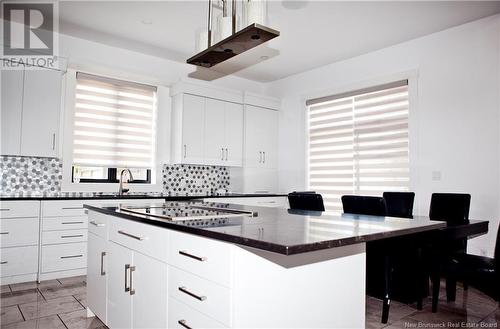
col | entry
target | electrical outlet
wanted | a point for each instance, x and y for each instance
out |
(436, 175)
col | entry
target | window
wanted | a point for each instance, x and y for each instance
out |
(358, 143)
(114, 128)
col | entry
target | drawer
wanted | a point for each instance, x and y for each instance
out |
(13, 209)
(183, 317)
(98, 224)
(63, 208)
(146, 239)
(66, 236)
(204, 257)
(18, 232)
(202, 295)
(64, 257)
(18, 261)
(64, 223)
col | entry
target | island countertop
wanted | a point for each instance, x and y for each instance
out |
(285, 231)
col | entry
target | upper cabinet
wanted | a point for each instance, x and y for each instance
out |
(261, 137)
(206, 131)
(31, 108)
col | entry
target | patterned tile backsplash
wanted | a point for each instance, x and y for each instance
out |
(194, 179)
(24, 176)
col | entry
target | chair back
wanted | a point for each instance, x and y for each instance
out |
(453, 208)
(306, 201)
(363, 205)
(399, 204)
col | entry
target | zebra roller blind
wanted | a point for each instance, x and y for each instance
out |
(114, 124)
(358, 143)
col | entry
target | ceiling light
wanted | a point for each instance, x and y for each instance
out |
(236, 43)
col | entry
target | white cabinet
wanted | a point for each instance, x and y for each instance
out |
(19, 239)
(233, 134)
(11, 115)
(97, 292)
(31, 107)
(137, 290)
(119, 298)
(206, 131)
(260, 174)
(261, 137)
(193, 130)
(223, 133)
(41, 112)
(215, 148)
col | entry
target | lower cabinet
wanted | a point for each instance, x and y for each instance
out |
(97, 290)
(137, 290)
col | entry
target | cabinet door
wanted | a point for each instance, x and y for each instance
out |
(11, 111)
(149, 302)
(96, 276)
(119, 300)
(214, 132)
(41, 112)
(193, 129)
(234, 134)
(253, 136)
(270, 139)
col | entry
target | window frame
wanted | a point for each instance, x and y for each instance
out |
(412, 78)
(67, 126)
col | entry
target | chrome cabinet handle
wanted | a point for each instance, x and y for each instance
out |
(127, 267)
(3, 233)
(187, 292)
(132, 290)
(102, 263)
(71, 208)
(226, 153)
(53, 141)
(263, 157)
(74, 256)
(140, 238)
(185, 151)
(66, 223)
(260, 157)
(71, 236)
(222, 153)
(93, 222)
(4, 262)
(185, 253)
(184, 324)
(4, 209)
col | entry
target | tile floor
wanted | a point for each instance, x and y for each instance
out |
(51, 304)
(61, 304)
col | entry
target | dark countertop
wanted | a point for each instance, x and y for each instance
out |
(285, 231)
(114, 196)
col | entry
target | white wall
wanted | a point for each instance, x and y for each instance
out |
(454, 121)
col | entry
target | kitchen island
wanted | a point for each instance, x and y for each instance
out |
(201, 265)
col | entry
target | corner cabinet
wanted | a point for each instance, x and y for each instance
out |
(206, 131)
(31, 110)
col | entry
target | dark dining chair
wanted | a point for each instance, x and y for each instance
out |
(363, 205)
(453, 208)
(399, 204)
(306, 201)
(480, 272)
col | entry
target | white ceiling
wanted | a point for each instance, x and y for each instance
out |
(319, 33)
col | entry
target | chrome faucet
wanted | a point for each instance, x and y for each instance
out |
(121, 190)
